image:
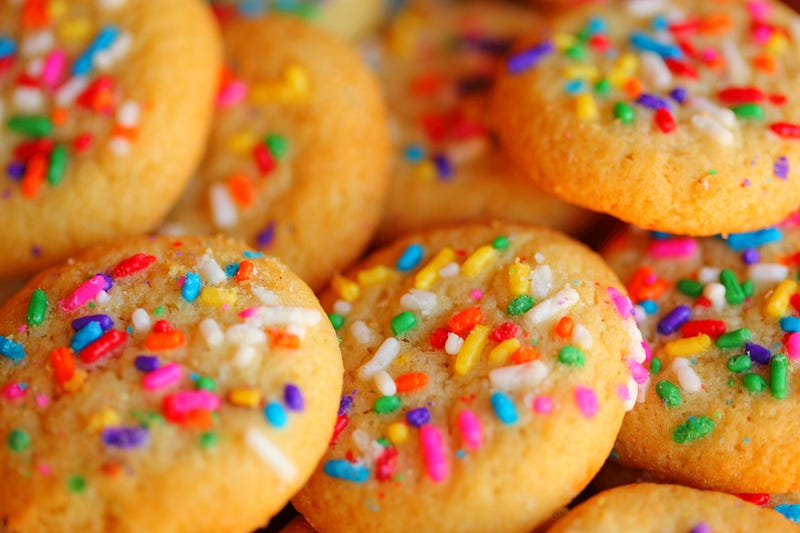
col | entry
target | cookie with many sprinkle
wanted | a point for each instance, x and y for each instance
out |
(162, 385)
(674, 115)
(486, 376)
(104, 110)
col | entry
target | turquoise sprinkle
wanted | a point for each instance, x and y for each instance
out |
(253, 255)
(191, 287)
(276, 414)
(504, 408)
(414, 153)
(649, 306)
(85, 336)
(790, 511)
(790, 324)
(12, 350)
(104, 39)
(410, 258)
(753, 239)
(341, 469)
(231, 270)
(644, 42)
(575, 87)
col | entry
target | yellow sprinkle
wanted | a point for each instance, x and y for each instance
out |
(471, 349)
(75, 29)
(293, 86)
(562, 41)
(347, 289)
(689, 346)
(374, 275)
(215, 296)
(518, 281)
(502, 351)
(479, 259)
(779, 301)
(102, 419)
(425, 170)
(777, 44)
(57, 8)
(297, 82)
(585, 107)
(398, 432)
(242, 143)
(245, 397)
(403, 33)
(430, 272)
(76, 381)
(582, 71)
(624, 68)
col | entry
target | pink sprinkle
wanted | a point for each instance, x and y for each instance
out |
(433, 455)
(42, 400)
(13, 391)
(758, 9)
(648, 354)
(761, 34)
(708, 55)
(249, 312)
(586, 400)
(476, 294)
(162, 377)
(85, 292)
(471, 430)
(23, 328)
(231, 94)
(187, 401)
(44, 469)
(622, 392)
(623, 303)
(543, 405)
(672, 248)
(793, 346)
(53, 68)
(638, 372)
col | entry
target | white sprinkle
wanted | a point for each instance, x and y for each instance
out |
(453, 343)
(639, 314)
(641, 395)
(298, 330)
(211, 332)
(723, 115)
(119, 146)
(270, 454)
(361, 332)
(68, 92)
(768, 272)
(266, 296)
(111, 4)
(708, 275)
(633, 393)
(37, 43)
(28, 100)
(383, 357)
(582, 337)
(370, 449)
(342, 307)
(538, 257)
(35, 67)
(687, 377)
(715, 292)
(552, 307)
(172, 229)
(541, 281)
(736, 65)
(210, 270)
(419, 300)
(102, 298)
(385, 383)
(129, 113)
(140, 319)
(450, 269)
(644, 8)
(223, 208)
(247, 333)
(655, 70)
(463, 152)
(635, 348)
(245, 355)
(516, 377)
(105, 59)
(284, 314)
(713, 129)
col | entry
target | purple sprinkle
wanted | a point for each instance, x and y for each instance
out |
(679, 94)
(757, 353)
(751, 256)
(293, 398)
(265, 237)
(652, 101)
(125, 437)
(105, 321)
(146, 363)
(519, 63)
(443, 166)
(15, 170)
(674, 319)
(701, 527)
(36, 250)
(345, 404)
(782, 167)
(108, 280)
(418, 417)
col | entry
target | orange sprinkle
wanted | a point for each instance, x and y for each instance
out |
(63, 364)
(633, 87)
(242, 189)
(411, 381)
(765, 63)
(129, 133)
(59, 116)
(35, 173)
(652, 291)
(279, 338)
(640, 278)
(716, 24)
(564, 327)
(111, 469)
(197, 419)
(165, 340)
(245, 272)
(524, 354)
(35, 15)
(462, 322)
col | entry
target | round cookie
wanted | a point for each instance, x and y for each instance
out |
(297, 164)
(721, 321)
(473, 356)
(437, 60)
(646, 507)
(673, 115)
(91, 93)
(162, 385)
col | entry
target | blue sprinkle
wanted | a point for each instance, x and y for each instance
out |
(231, 270)
(660, 235)
(650, 307)
(191, 287)
(146, 363)
(125, 437)
(460, 454)
(276, 414)
(575, 87)
(410, 258)
(252, 8)
(341, 469)
(790, 511)
(7, 47)
(414, 153)
(253, 255)
(753, 239)
(504, 408)
(659, 23)
(519, 63)
(104, 39)
(782, 167)
(644, 42)
(105, 321)
(670, 322)
(85, 336)
(790, 324)
(652, 101)
(596, 25)
(418, 417)
(443, 166)
(679, 94)
(15, 170)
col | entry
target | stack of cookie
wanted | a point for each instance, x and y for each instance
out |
(195, 188)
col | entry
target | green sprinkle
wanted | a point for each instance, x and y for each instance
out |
(572, 356)
(159, 310)
(337, 320)
(277, 144)
(777, 376)
(602, 87)
(386, 404)
(58, 163)
(383, 441)
(733, 339)
(18, 440)
(740, 363)
(655, 365)
(205, 383)
(76, 484)
(749, 111)
(754, 383)
(576, 51)
(37, 308)
(669, 393)
(693, 429)
(500, 242)
(748, 287)
(624, 112)
(519, 305)
(209, 439)
(403, 322)
(712, 172)
(690, 288)
(148, 419)
(734, 294)
(33, 126)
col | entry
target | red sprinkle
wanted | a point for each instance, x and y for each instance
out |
(741, 95)
(712, 328)
(266, 163)
(438, 338)
(104, 346)
(681, 68)
(133, 264)
(786, 130)
(794, 300)
(341, 423)
(503, 332)
(385, 464)
(161, 326)
(26, 150)
(82, 142)
(664, 120)
(758, 498)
